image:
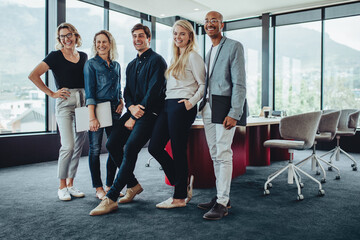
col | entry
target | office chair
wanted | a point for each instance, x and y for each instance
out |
(346, 127)
(301, 129)
(147, 164)
(326, 133)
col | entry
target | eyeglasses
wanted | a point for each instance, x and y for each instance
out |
(212, 21)
(69, 35)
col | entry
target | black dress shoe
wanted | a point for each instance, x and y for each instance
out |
(209, 205)
(217, 212)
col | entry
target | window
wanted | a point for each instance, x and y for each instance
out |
(22, 46)
(88, 20)
(250, 38)
(120, 26)
(164, 39)
(342, 63)
(298, 67)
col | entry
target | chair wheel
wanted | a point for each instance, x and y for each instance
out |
(147, 165)
(317, 173)
(323, 180)
(266, 192)
(353, 165)
(330, 168)
(269, 185)
(321, 192)
(337, 177)
(300, 197)
(354, 168)
(301, 185)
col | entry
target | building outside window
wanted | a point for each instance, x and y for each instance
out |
(298, 67)
(88, 20)
(164, 39)
(250, 38)
(22, 47)
(342, 63)
(120, 26)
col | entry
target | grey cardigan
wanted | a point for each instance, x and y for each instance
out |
(227, 77)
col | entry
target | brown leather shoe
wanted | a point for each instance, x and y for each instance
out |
(209, 205)
(131, 193)
(106, 206)
(217, 212)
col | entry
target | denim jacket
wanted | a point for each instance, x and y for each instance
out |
(102, 83)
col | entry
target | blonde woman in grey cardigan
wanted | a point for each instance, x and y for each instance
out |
(184, 88)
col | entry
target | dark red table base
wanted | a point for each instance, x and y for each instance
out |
(248, 150)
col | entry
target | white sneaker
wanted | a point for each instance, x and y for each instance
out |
(75, 192)
(64, 194)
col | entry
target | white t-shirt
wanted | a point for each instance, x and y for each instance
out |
(212, 57)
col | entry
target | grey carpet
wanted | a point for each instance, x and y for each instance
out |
(30, 209)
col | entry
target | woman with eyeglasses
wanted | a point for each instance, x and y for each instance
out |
(67, 65)
(102, 84)
(184, 88)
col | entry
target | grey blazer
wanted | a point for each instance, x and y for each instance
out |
(227, 77)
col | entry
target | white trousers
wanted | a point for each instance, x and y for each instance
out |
(71, 141)
(219, 141)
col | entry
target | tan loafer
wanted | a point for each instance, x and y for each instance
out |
(167, 204)
(106, 206)
(131, 193)
(107, 188)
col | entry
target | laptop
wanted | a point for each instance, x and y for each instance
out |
(103, 114)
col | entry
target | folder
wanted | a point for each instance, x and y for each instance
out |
(103, 115)
(220, 108)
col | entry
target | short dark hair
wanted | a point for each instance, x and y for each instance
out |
(145, 28)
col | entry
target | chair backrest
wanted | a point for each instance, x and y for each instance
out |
(348, 120)
(329, 122)
(301, 127)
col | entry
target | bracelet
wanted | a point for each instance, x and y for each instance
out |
(92, 119)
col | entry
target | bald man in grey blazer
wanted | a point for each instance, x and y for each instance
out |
(225, 81)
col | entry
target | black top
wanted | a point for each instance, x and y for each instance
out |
(145, 82)
(67, 74)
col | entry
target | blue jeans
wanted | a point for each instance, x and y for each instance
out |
(124, 146)
(173, 124)
(95, 142)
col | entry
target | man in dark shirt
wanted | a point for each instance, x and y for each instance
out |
(144, 96)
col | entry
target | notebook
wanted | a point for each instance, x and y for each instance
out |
(103, 114)
(220, 108)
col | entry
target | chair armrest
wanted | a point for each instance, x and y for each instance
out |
(329, 122)
(353, 119)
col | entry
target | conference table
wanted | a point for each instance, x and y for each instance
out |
(247, 146)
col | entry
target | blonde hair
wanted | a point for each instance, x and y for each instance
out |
(178, 63)
(113, 54)
(72, 29)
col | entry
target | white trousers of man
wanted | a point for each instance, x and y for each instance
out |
(219, 141)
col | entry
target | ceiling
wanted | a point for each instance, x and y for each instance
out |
(196, 10)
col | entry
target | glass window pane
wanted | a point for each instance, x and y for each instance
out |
(120, 26)
(250, 38)
(298, 67)
(342, 63)
(88, 20)
(22, 47)
(164, 41)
